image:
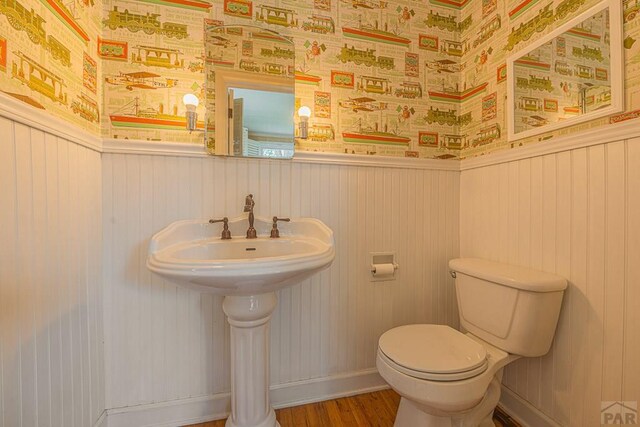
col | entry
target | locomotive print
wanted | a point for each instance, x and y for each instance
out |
(369, 54)
(365, 57)
(148, 23)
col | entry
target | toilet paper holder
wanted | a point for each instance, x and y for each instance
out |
(383, 261)
(373, 267)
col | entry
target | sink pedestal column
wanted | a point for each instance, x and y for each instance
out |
(249, 319)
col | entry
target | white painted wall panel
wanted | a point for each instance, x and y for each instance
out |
(574, 213)
(165, 343)
(51, 356)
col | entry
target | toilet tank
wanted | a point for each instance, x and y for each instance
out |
(514, 308)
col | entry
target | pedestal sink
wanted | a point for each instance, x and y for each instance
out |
(247, 272)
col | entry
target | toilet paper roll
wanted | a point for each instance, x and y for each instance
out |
(383, 269)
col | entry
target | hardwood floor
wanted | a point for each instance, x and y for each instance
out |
(364, 410)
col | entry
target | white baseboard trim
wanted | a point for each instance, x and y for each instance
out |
(524, 412)
(213, 407)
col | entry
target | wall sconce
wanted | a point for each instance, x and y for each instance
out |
(303, 127)
(191, 102)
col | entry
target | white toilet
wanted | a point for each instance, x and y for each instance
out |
(450, 379)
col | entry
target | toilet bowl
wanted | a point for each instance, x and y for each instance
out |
(446, 374)
(447, 378)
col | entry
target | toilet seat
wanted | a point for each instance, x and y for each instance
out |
(432, 352)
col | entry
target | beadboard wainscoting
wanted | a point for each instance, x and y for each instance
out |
(165, 343)
(51, 331)
(575, 213)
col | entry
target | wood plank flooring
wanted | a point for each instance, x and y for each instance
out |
(376, 409)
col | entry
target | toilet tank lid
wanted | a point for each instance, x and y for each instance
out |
(509, 275)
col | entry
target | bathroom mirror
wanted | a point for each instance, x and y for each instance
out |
(249, 92)
(571, 75)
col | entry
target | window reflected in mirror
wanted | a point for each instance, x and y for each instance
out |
(257, 129)
(250, 92)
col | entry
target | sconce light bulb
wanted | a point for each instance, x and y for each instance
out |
(190, 100)
(303, 127)
(304, 111)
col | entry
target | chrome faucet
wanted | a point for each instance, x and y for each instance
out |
(248, 207)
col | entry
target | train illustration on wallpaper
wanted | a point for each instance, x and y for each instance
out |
(277, 52)
(447, 23)
(487, 30)
(454, 47)
(133, 116)
(486, 135)
(409, 90)
(436, 140)
(38, 78)
(86, 108)
(567, 7)
(589, 53)
(321, 132)
(534, 83)
(374, 135)
(526, 29)
(454, 141)
(545, 17)
(148, 23)
(365, 57)
(152, 56)
(276, 16)
(277, 69)
(371, 84)
(319, 24)
(30, 22)
(447, 117)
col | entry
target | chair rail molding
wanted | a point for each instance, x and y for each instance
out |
(35, 118)
(14, 109)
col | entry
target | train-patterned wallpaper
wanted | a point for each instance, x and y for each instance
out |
(381, 77)
(48, 57)
(399, 77)
(505, 27)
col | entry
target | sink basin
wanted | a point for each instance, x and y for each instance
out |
(191, 253)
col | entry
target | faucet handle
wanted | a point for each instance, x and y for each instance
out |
(275, 233)
(226, 234)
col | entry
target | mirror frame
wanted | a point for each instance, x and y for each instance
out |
(240, 79)
(616, 71)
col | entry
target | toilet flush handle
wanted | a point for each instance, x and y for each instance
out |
(452, 273)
